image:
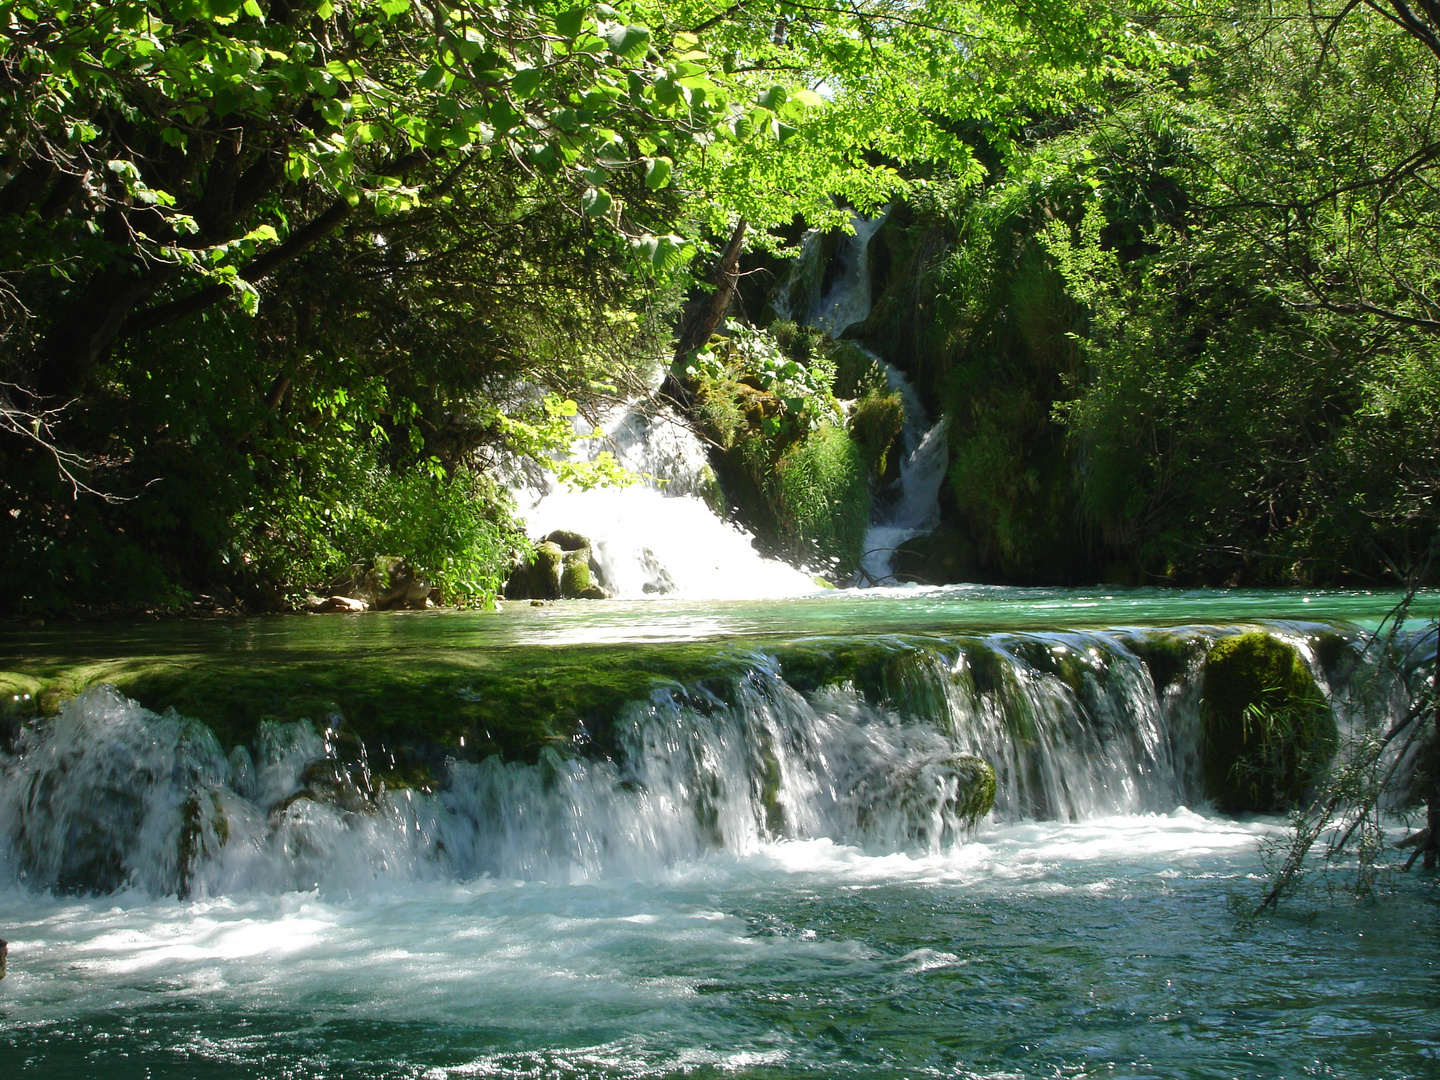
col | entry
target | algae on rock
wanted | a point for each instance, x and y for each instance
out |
(1269, 733)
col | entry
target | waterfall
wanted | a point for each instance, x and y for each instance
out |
(661, 536)
(912, 508)
(847, 301)
(865, 742)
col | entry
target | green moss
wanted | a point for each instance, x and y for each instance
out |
(875, 424)
(1167, 655)
(575, 573)
(411, 710)
(1268, 732)
(976, 793)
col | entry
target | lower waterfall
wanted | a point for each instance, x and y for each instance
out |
(659, 537)
(746, 852)
(885, 744)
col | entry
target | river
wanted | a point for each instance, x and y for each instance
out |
(754, 868)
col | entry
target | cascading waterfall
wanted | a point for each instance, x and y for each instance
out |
(912, 508)
(876, 744)
(659, 537)
(664, 537)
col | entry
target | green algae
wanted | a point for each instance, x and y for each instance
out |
(409, 712)
(1269, 733)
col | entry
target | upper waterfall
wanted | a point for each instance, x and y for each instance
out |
(912, 507)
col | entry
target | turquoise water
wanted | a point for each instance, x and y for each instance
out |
(1105, 944)
(960, 608)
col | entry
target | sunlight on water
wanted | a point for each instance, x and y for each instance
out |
(749, 877)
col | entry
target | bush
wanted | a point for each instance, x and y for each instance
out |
(875, 423)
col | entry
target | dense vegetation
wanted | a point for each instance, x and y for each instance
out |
(1189, 336)
(287, 287)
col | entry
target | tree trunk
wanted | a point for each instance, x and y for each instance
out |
(706, 318)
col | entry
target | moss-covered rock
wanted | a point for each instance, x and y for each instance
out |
(539, 577)
(875, 424)
(1269, 733)
(575, 580)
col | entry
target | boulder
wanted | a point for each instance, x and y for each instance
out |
(539, 578)
(388, 584)
(563, 567)
(1268, 732)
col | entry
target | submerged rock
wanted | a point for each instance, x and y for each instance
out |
(927, 802)
(1269, 733)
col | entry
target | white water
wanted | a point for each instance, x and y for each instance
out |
(662, 537)
(847, 301)
(1072, 724)
(751, 880)
(913, 509)
(659, 537)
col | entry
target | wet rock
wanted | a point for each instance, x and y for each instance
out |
(924, 802)
(335, 605)
(4, 954)
(568, 540)
(539, 578)
(1269, 733)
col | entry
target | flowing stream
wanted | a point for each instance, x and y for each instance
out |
(750, 852)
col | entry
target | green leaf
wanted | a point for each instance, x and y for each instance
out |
(657, 172)
(630, 42)
(568, 23)
(773, 98)
(526, 82)
(596, 202)
(808, 98)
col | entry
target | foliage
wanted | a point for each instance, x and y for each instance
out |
(1386, 762)
(787, 461)
(876, 421)
(822, 500)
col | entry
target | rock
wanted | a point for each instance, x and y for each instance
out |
(909, 804)
(406, 589)
(563, 567)
(943, 558)
(336, 605)
(575, 572)
(4, 952)
(1268, 732)
(388, 585)
(538, 579)
(568, 540)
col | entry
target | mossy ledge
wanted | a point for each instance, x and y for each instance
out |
(410, 714)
